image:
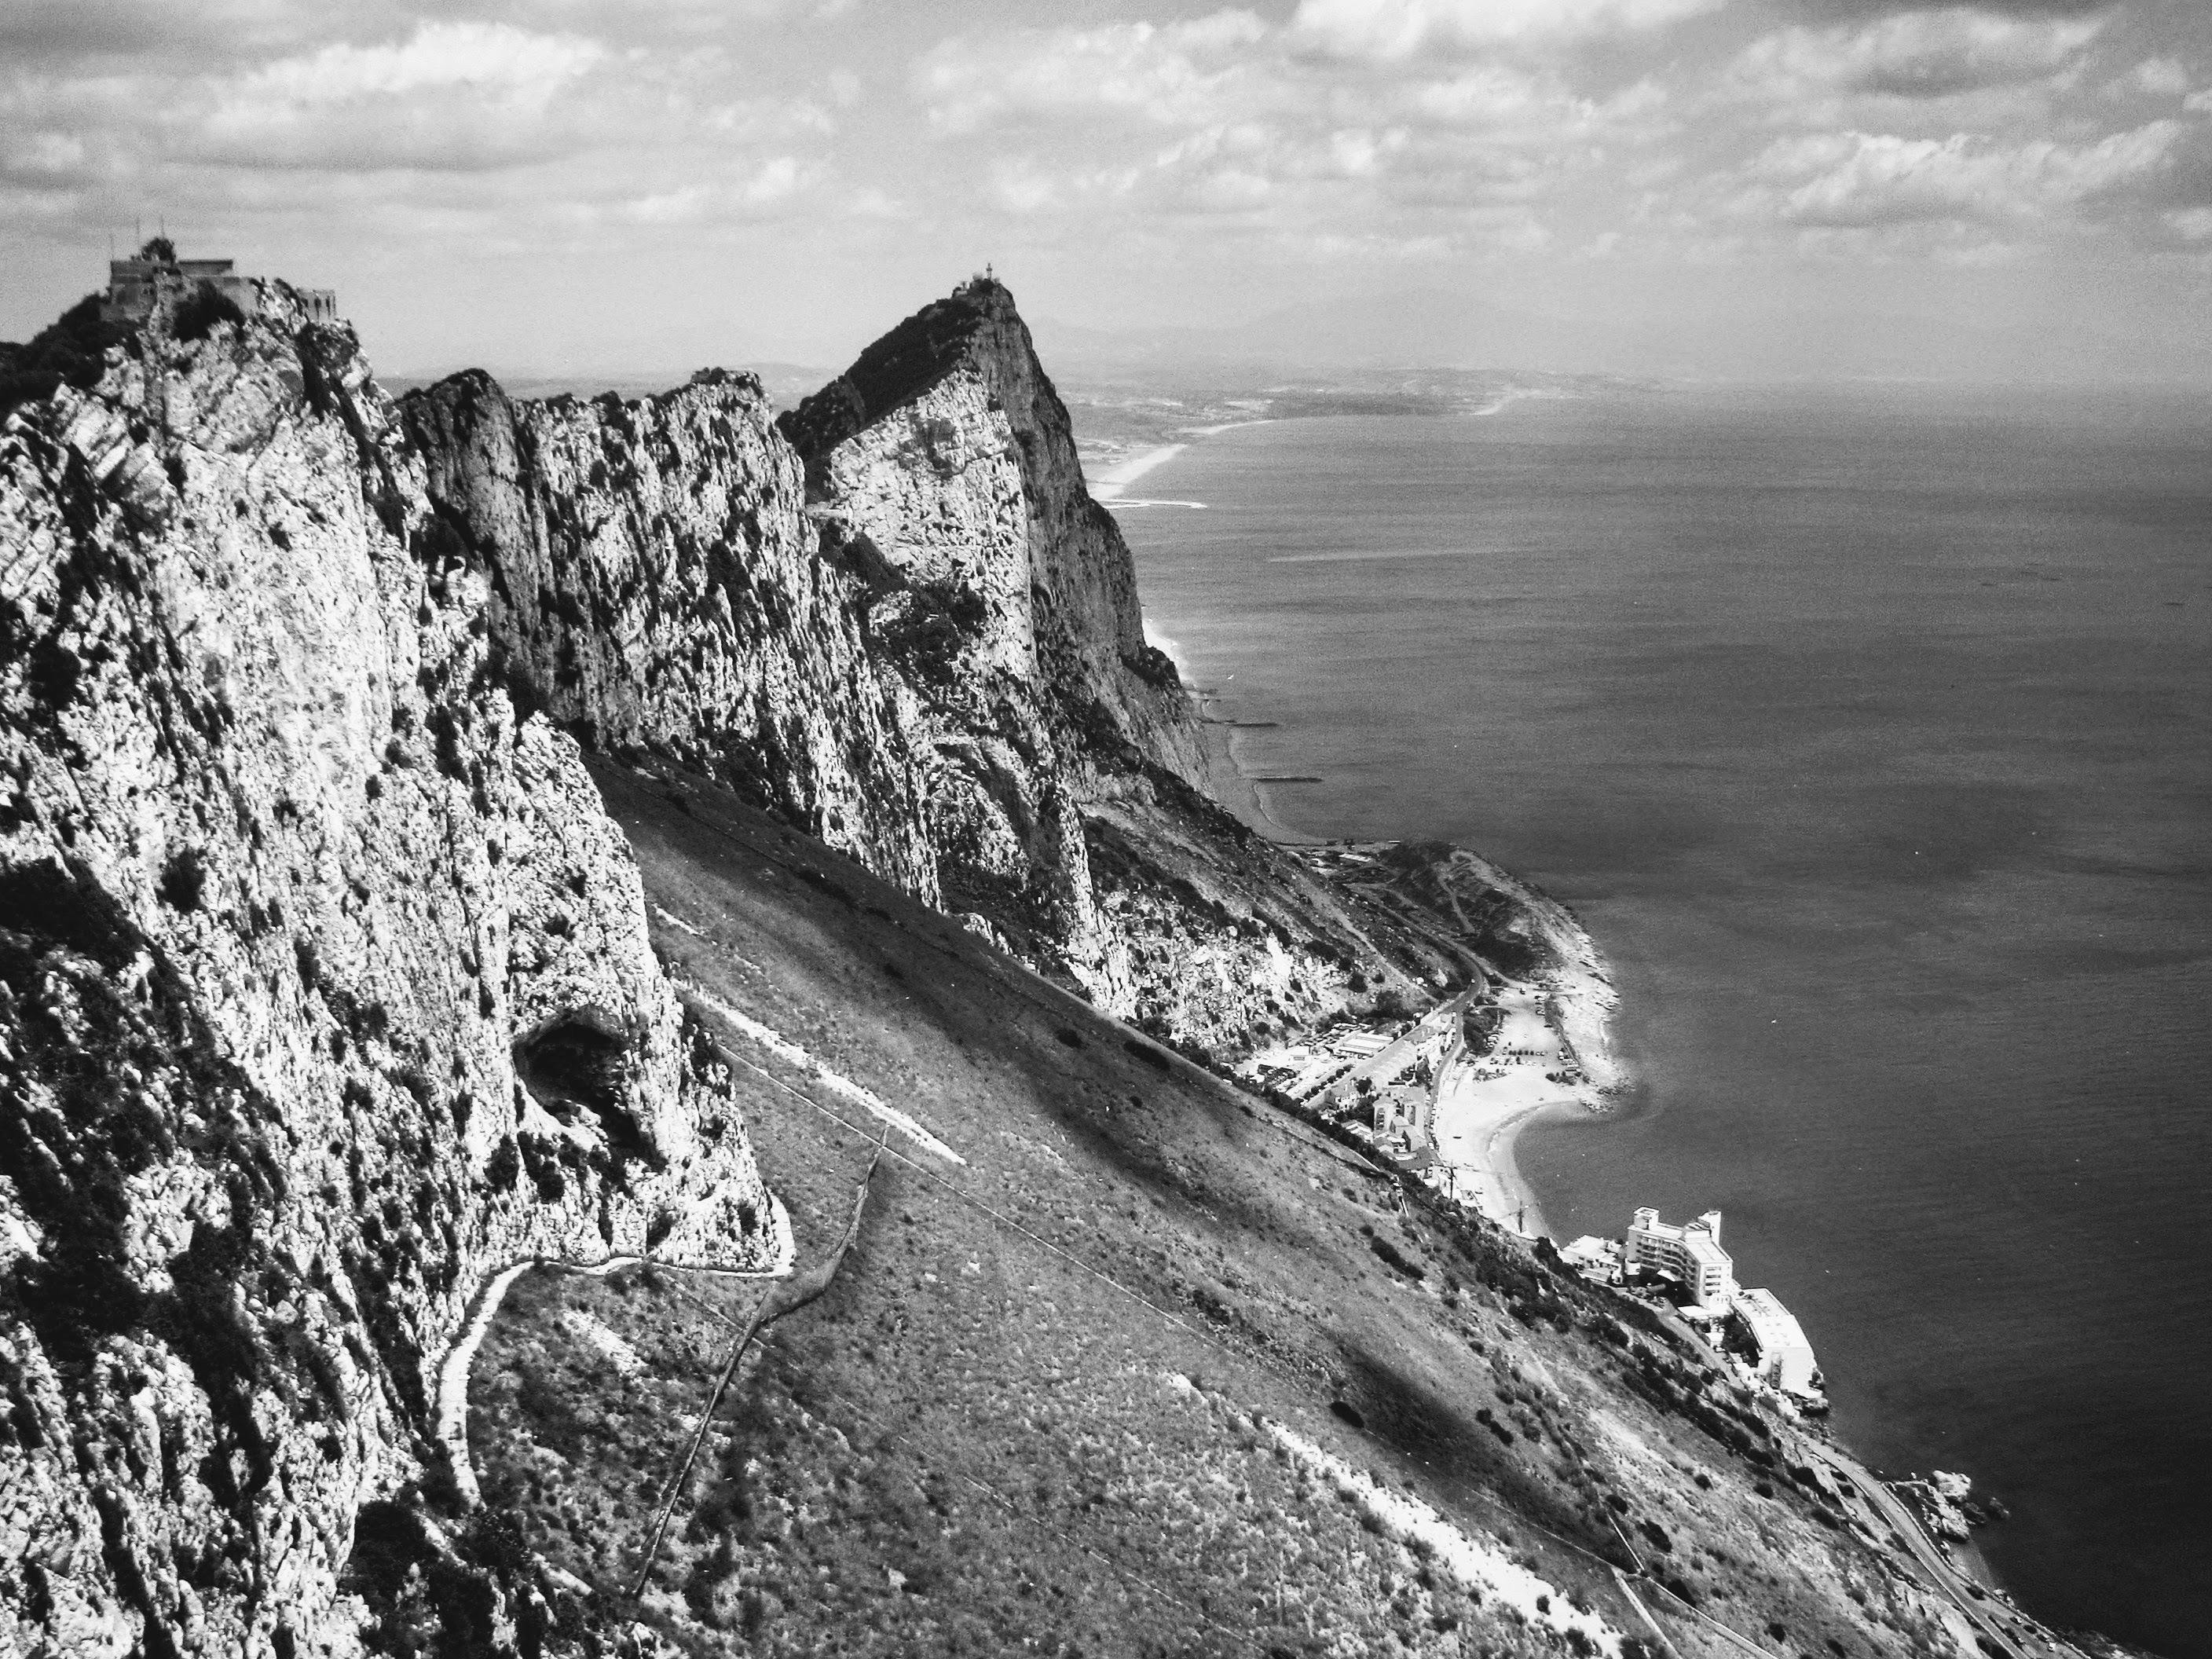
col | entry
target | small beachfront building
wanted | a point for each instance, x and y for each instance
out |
(1690, 1253)
(1594, 1258)
(1784, 1357)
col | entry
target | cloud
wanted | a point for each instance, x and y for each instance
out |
(1911, 55)
(1395, 31)
(474, 128)
(1228, 119)
(1178, 72)
(2161, 77)
(452, 97)
(1861, 179)
(491, 60)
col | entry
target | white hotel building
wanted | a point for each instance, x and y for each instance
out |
(1785, 1358)
(1690, 1253)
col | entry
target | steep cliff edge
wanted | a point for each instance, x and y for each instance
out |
(909, 630)
(325, 989)
(1067, 797)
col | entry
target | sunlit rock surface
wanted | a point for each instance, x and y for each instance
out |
(324, 990)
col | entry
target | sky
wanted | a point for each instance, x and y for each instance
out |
(549, 187)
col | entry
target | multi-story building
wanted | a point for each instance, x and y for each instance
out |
(1690, 1253)
(1784, 1357)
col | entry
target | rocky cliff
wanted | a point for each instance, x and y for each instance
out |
(325, 989)
(910, 631)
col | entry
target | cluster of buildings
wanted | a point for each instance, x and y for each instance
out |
(1325, 1068)
(133, 284)
(1379, 1081)
(1687, 1264)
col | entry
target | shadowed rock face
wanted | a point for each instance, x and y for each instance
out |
(324, 990)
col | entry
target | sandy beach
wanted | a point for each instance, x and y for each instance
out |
(1484, 1101)
(1112, 485)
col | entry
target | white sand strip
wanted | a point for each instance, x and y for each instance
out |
(792, 1055)
(1224, 426)
(1118, 477)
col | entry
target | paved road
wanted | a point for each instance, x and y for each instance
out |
(1906, 1525)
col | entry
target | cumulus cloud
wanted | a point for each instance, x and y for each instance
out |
(459, 97)
(1855, 179)
(1177, 72)
(1228, 117)
(477, 132)
(1395, 31)
(494, 59)
(1635, 135)
(1912, 55)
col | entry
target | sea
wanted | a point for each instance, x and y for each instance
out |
(1868, 730)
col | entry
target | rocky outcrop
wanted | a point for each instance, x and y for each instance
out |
(654, 582)
(325, 989)
(1067, 794)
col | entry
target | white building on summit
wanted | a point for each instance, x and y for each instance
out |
(1690, 1253)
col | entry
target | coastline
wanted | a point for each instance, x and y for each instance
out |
(1229, 784)
(1577, 996)
(1110, 485)
(1570, 1004)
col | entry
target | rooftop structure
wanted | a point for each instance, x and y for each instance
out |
(1784, 1357)
(1404, 1109)
(133, 284)
(1595, 1257)
(1690, 1253)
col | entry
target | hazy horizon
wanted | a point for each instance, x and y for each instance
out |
(2020, 189)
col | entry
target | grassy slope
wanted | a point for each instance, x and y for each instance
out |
(974, 1444)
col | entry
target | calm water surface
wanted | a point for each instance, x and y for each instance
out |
(1870, 733)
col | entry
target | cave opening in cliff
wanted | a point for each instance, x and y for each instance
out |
(580, 1063)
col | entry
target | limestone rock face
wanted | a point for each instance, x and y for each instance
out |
(654, 582)
(1063, 764)
(325, 991)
